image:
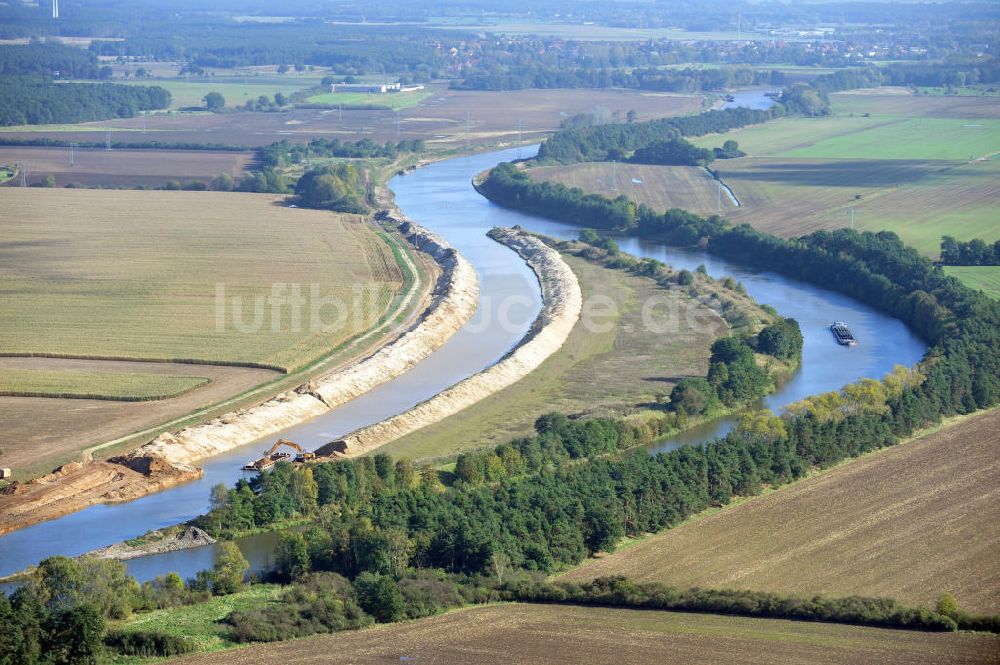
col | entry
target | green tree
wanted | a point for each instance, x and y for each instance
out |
(230, 568)
(379, 596)
(292, 555)
(75, 636)
(946, 605)
(214, 101)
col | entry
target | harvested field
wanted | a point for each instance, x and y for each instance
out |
(919, 200)
(611, 364)
(532, 634)
(442, 118)
(985, 278)
(115, 386)
(138, 276)
(659, 187)
(908, 105)
(125, 168)
(910, 522)
(40, 433)
(150, 266)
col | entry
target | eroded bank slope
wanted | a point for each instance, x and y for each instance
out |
(168, 459)
(454, 302)
(562, 302)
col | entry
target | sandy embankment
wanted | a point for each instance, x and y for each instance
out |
(455, 300)
(167, 460)
(562, 302)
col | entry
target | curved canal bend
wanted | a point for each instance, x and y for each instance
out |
(441, 198)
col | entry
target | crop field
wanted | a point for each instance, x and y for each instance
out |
(985, 278)
(400, 100)
(40, 433)
(910, 523)
(845, 137)
(237, 90)
(129, 275)
(121, 386)
(93, 167)
(446, 118)
(919, 165)
(150, 265)
(919, 200)
(529, 634)
(659, 187)
(615, 366)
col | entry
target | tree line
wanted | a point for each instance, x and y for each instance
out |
(283, 153)
(534, 73)
(32, 101)
(972, 253)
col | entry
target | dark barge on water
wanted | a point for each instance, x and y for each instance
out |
(843, 334)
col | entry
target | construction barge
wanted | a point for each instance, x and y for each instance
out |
(843, 334)
(271, 457)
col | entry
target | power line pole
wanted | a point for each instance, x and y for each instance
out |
(614, 176)
(718, 197)
(72, 154)
(107, 141)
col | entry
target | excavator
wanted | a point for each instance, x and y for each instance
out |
(270, 457)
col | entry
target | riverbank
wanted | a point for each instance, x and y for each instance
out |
(562, 302)
(168, 459)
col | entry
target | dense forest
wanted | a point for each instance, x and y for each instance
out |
(972, 253)
(617, 141)
(30, 101)
(50, 61)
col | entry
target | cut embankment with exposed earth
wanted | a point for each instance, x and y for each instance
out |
(562, 302)
(167, 460)
(455, 301)
(530, 634)
(911, 522)
(172, 283)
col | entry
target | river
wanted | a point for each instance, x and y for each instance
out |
(440, 197)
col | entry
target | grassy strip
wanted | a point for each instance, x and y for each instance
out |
(117, 386)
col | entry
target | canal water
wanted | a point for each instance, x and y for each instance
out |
(441, 198)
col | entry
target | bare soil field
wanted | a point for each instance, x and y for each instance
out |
(910, 523)
(95, 167)
(530, 634)
(920, 200)
(611, 365)
(659, 187)
(444, 118)
(40, 433)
